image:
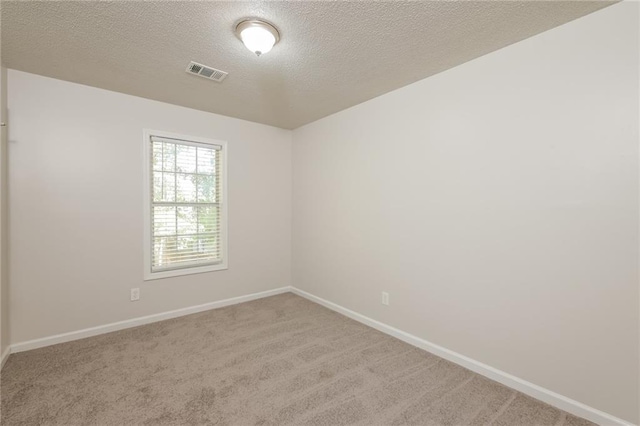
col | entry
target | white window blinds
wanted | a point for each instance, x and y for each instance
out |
(186, 204)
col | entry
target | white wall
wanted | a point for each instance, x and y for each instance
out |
(76, 207)
(4, 276)
(497, 202)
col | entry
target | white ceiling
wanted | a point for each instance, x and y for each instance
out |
(332, 55)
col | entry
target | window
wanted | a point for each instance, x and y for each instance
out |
(185, 205)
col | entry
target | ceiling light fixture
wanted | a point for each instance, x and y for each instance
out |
(258, 36)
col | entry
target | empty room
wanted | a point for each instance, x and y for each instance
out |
(320, 213)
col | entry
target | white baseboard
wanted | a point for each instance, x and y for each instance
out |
(538, 392)
(567, 404)
(108, 328)
(5, 356)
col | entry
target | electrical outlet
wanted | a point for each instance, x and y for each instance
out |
(135, 294)
(385, 298)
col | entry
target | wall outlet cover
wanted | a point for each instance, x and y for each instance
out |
(385, 298)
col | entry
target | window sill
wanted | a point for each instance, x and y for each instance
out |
(185, 271)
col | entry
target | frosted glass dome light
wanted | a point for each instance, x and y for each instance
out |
(258, 36)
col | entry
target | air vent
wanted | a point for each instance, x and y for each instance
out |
(206, 72)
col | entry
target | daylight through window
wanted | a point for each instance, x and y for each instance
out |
(186, 204)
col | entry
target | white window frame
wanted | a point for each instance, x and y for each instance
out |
(148, 222)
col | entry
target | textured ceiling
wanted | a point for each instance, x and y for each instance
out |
(332, 55)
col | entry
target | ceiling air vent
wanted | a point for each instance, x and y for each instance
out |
(206, 72)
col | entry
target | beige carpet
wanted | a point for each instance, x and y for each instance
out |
(276, 361)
